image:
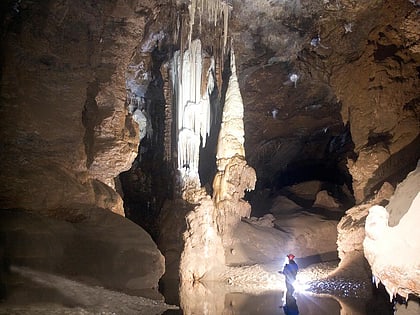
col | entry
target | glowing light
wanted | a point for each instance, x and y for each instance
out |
(301, 286)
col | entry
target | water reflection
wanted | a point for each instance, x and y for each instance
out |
(290, 308)
(222, 299)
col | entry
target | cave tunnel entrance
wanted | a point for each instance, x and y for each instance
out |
(317, 180)
(310, 184)
(325, 175)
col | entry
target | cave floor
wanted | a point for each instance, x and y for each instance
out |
(34, 292)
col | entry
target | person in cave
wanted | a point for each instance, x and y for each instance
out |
(290, 271)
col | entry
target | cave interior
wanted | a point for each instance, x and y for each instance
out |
(91, 130)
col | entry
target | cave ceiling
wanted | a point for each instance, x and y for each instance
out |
(308, 68)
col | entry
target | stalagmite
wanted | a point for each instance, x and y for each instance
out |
(233, 175)
(231, 136)
(208, 224)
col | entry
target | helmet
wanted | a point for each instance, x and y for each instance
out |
(291, 256)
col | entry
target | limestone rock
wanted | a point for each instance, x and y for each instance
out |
(394, 251)
(311, 234)
(404, 195)
(231, 136)
(211, 224)
(367, 164)
(306, 190)
(324, 200)
(351, 234)
(267, 220)
(100, 248)
(64, 121)
(234, 175)
(203, 253)
(282, 205)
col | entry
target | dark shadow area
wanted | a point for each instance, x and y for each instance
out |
(304, 262)
(395, 168)
(148, 183)
(379, 303)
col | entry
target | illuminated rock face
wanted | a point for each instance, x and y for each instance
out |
(64, 123)
(394, 251)
(66, 134)
(203, 254)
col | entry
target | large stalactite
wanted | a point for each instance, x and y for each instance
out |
(193, 111)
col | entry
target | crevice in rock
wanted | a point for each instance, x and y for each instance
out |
(148, 182)
(90, 119)
(385, 51)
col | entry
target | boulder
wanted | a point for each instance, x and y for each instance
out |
(283, 205)
(99, 248)
(324, 200)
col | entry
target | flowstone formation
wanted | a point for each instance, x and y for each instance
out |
(391, 244)
(193, 111)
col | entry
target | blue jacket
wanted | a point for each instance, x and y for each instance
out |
(290, 271)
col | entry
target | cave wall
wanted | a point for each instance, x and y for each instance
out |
(380, 96)
(64, 126)
(65, 135)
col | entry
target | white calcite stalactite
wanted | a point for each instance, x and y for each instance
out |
(216, 10)
(193, 114)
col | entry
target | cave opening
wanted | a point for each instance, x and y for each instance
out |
(318, 174)
(328, 177)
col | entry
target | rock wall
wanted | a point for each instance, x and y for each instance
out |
(99, 248)
(382, 241)
(65, 135)
(64, 126)
(383, 113)
(351, 233)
